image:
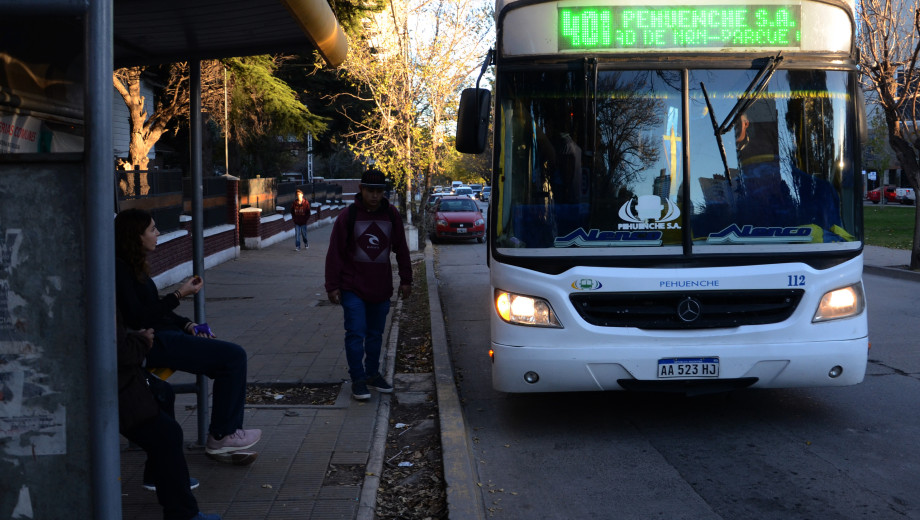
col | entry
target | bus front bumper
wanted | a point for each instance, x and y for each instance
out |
(578, 369)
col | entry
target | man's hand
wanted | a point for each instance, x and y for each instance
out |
(405, 291)
(335, 296)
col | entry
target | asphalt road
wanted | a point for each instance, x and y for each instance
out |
(768, 454)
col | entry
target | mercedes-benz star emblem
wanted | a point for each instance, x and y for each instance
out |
(689, 309)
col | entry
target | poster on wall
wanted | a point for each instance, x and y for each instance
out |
(19, 134)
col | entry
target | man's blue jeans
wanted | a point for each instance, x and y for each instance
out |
(222, 361)
(364, 324)
(300, 233)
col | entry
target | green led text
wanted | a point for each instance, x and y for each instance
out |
(723, 26)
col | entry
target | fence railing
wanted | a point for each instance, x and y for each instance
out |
(157, 191)
(167, 194)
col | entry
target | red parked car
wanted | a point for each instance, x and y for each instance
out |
(890, 195)
(456, 217)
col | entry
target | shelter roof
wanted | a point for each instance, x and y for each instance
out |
(149, 32)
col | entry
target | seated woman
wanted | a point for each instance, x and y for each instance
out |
(176, 343)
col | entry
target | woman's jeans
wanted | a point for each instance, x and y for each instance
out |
(300, 233)
(364, 324)
(222, 361)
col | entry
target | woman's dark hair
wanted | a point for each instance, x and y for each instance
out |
(130, 224)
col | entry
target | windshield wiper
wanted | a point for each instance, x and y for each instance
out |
(715, 130)
(747, 98)
(750, 95)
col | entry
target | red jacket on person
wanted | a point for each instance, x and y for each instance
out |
(363, 266)
(300, 213)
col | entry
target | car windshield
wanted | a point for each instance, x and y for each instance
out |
(458, 205)
(608, 172)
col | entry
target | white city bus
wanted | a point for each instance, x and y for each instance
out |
(676, 204)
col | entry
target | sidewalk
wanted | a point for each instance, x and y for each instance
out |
(272, 302)
(888, 262)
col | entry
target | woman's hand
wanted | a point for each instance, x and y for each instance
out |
(202, 330)
(190, 286)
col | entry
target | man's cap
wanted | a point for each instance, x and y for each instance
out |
(374, 178)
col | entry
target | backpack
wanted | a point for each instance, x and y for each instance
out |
(352, 216)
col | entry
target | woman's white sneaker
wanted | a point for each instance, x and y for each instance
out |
(238, 440)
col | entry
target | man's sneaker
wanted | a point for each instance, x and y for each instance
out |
(296, 249)
(202, 516)
(192, 484)
(306, 246)
(238, 440)
(359, 391)
(380, 384)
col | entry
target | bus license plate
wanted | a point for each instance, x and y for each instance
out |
(688, 367)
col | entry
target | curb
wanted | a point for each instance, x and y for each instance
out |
(892, 272)
(464, 501)
(367, 506)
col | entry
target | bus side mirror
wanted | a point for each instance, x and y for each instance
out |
(473, 120)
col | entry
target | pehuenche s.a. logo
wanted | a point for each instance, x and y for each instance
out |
(586, 284)
(649, 212)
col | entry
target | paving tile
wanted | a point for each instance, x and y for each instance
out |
(245, 510)
(293, 510)
(349, 457)
(340, 493)
(334, 510)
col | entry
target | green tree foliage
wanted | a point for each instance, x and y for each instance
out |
(412, 60)
(265, 112)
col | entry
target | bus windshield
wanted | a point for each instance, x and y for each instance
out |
(596, 165)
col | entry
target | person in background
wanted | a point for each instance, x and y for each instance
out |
(142, 421)
(179, 343)
(359, 276)
(300, 214)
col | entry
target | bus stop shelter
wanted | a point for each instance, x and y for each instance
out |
(58, 393)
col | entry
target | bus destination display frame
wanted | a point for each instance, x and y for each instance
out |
(659, 27)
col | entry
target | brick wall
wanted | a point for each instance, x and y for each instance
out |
(248, 231)
(170, 254)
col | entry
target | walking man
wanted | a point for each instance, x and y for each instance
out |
(300, 214)
(359, 276)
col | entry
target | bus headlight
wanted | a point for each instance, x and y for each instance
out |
(841, 303)
(525, 310)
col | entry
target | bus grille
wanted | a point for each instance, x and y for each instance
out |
(687, 310)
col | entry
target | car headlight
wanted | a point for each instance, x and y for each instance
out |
(441, 222)
(525, 310)
(841, 303)
(479, 222)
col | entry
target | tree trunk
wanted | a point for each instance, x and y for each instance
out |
(146, 131)
(907, 158)
(915, 250)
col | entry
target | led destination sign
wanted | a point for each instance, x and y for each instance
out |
(683, 27)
